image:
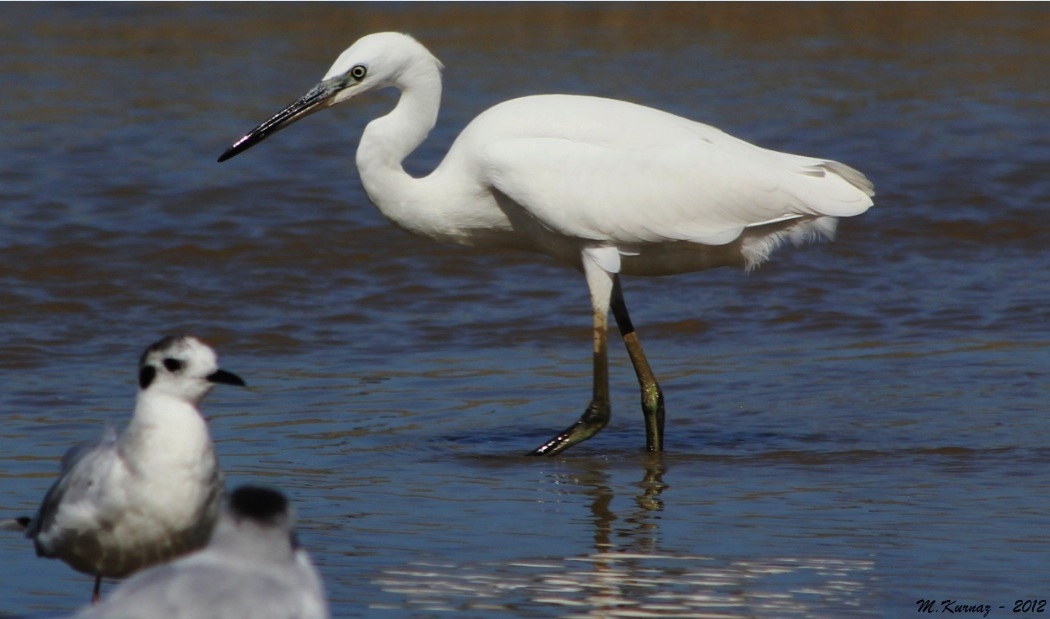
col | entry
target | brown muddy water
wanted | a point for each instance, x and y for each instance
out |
(853, 428)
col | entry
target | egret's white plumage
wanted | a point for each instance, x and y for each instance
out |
(251, 569)
(606, 186)
(150, 493)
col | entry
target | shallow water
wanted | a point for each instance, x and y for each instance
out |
(853, 427)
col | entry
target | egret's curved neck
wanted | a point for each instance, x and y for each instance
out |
(388, 140)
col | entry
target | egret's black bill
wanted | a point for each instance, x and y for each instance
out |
(317, 99)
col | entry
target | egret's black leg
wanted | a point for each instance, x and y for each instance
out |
(598, 412)
(96, 595)
(652, 395)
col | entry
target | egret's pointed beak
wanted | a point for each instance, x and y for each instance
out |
(225, 378)
(319, 97)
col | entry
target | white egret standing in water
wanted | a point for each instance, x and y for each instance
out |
(605, 186)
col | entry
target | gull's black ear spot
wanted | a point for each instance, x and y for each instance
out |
(259, 504)
(146, 376)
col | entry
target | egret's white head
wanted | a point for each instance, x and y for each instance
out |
(375, 61)
(380, 60)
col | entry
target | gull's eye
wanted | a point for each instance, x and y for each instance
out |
(358, 72)
(173, 365)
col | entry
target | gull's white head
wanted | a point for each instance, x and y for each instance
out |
(184, 367)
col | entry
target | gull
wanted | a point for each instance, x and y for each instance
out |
(605, 186)
(252, 568)
(150, 493)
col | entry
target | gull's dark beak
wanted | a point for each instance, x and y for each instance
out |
(225, 378)
(319, 97)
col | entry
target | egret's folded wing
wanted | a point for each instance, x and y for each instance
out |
(699, 190)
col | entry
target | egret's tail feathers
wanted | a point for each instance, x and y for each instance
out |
(759, 243)
(851, 176)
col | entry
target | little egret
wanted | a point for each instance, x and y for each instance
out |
(251, 569)
(605, 186)
(153, 492)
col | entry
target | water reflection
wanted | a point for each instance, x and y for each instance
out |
(641, 534)
(629, 572)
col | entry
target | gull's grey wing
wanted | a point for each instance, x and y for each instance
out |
(78, 468)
